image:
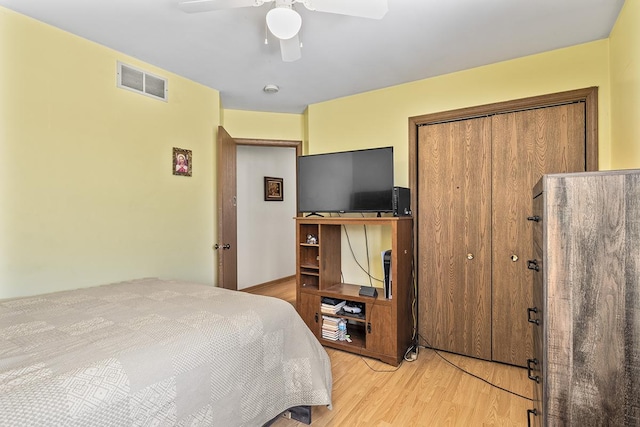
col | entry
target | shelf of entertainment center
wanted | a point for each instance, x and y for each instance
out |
(357, 338)
(350, 292)
(347, 292)
(350, 316)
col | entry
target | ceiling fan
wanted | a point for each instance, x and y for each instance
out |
(285, 23)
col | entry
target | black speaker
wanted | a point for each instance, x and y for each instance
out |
(401, 200)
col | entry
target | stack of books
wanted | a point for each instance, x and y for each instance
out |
(330, 327)
(331, 305)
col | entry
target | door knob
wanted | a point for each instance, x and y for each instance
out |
(514, 257)
(469, 256)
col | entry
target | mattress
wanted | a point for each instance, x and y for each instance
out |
(156, 352)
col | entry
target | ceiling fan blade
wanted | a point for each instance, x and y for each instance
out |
(195, 6)
(374, 9)
(290, 49)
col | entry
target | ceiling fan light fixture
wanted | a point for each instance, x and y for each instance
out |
(284, 22)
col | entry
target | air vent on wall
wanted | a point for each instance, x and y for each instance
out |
(136, 80)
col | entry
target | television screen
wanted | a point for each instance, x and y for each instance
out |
(348, 181)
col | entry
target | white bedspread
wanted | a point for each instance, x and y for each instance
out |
(155, 352)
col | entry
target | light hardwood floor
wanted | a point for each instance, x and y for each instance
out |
(426, 392)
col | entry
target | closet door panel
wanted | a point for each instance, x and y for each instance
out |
(454, 264)
(525, 145)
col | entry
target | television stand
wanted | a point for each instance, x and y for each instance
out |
(384, 327)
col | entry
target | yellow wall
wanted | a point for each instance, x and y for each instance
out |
(625, 88)
(380, 118)
(260, 125)
(86, 190)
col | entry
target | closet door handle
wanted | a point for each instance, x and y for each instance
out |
(530, 412)
(532, 264)
(531, 319)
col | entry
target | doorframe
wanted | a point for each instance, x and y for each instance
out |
(587, 95)
(282, 143)
(232, 168)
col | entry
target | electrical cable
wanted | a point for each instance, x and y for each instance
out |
(414, 283)
(381, 370)
(356, 260)
(470, 373)
(366, 245)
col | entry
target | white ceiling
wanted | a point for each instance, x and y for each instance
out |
(341, 56)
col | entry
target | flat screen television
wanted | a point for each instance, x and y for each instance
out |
(347, 181)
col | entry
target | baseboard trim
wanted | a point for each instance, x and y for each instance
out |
(260, 286)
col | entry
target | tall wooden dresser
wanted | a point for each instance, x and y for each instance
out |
(586, 308)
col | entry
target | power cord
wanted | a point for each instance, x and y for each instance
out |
(366, 245)
(380, 370)
(467, 372)
(409, 356)
(414, 300)
(356, 260)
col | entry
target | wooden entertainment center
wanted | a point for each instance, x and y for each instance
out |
(383, 329)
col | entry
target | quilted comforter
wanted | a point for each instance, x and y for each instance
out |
(155, 352)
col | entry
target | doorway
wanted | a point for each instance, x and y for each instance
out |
(266, 231)
(226, 247)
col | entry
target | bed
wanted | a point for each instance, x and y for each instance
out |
(156, 352)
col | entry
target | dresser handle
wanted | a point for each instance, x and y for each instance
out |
(531, 319)
(529, 369)
(532, 264)
(535, 218)
(530, 412)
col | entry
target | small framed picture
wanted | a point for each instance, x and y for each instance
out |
(273, 189)
(181, 162)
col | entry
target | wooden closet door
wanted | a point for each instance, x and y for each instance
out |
(526, 145)
(454, 253)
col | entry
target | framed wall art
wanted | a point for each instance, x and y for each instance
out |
(181, 161)
(273, 189)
